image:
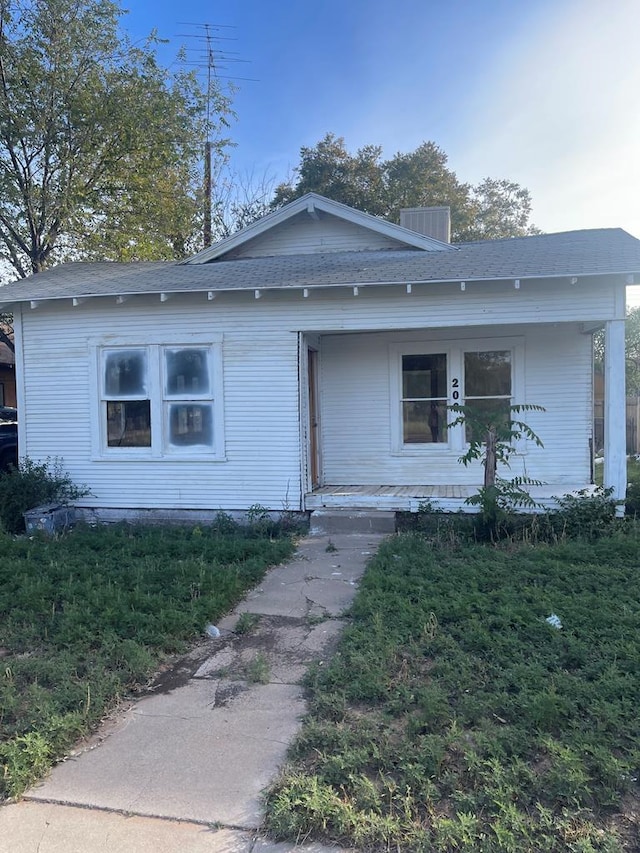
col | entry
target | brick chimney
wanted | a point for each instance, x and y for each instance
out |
(431, 221)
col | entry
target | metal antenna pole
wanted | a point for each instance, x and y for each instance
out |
(206, 228)
(214, 63)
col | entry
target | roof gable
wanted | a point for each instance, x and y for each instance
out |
(368, 232)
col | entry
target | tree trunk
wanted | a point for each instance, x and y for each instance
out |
(490, 461)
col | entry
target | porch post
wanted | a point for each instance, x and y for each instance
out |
(615, 414)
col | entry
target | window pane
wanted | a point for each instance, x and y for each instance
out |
(487, 374)
(424, 376)
(125, 373)
(190, 424)
(129, 423)
(424, 423)
(484, 415)
(187, 371)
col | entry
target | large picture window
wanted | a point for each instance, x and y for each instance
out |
(161, 401)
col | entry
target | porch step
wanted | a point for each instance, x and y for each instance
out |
(324, 521)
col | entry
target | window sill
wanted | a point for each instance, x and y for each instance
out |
(147, 457)
(424, 450)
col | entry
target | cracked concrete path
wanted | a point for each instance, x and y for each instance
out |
(184, 767)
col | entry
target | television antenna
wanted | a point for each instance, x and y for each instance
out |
(215, 60)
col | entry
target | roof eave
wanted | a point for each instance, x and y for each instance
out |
(573, 278)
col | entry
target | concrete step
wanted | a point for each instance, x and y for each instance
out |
(328, 521)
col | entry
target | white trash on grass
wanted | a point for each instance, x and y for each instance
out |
(554, 621)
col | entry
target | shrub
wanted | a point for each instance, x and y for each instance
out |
(583, 515)
(30, 485)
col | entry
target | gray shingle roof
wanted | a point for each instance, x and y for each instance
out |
(572, 253)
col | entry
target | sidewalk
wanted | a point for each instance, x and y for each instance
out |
(184, 767)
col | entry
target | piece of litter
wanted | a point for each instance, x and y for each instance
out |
(212, 631)
(554, 621)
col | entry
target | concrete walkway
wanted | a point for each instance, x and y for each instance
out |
(184, 767)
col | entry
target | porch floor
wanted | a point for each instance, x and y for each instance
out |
(449, 498)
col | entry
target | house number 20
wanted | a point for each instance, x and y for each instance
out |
(456, 393)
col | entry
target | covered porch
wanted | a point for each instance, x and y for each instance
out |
(364, 452)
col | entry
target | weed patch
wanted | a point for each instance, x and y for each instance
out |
(257, 671)
(246, 622)
(32, 484)
(454, 717)
(88, 617)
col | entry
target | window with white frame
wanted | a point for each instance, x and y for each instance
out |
(161, 400)
(426, 379)
(126, 395)
(424, 398)
(487, 387)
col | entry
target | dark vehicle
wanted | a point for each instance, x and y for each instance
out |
(8, 413)
(8, 437)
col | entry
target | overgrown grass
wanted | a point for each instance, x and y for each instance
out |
(456, 718)
(632, 506)
(632, 502)
(87, 617)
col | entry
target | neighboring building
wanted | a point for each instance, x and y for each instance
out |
(7, 373)
(309, 361)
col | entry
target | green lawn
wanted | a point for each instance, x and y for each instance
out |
(455, 718)
(87, 617)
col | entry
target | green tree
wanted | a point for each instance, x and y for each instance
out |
(421, 178)
(632, 351)
(99, 145)
(492, 435)
(329, 169)
(501, 208)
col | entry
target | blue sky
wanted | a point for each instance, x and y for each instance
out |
(544, 92)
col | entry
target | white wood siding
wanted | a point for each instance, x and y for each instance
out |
(260, 408)
(261, 394)
(357, 410)
(303, 235)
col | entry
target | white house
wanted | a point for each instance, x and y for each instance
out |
(309, 361)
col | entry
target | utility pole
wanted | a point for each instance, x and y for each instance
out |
(213, 61)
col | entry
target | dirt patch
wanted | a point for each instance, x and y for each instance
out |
(227, 691)
(627, 823)
(288, 645)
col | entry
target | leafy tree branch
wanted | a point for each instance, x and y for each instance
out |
(99, 145)
(493, 209)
